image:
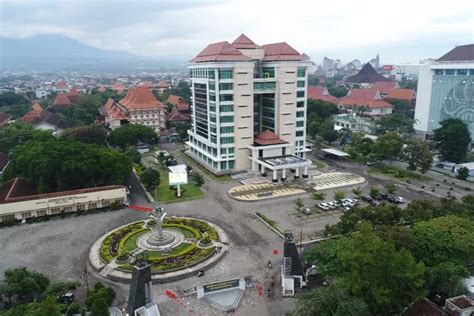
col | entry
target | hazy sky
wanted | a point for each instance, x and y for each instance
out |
(400, 31)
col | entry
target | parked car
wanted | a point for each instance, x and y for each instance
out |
(392, 199)
(399, 200)
(384, 196)
(367, 198)
(374, 203)
(307, 211)
(324, 206)
(346, 208)
(332, 205)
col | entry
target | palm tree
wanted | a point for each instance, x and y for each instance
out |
(318, 196)
(299, 204)
(357, 191)
(339, 196)
(374, 192)
(391, 188)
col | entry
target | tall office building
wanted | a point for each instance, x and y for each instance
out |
(446, 90)
(248, 106)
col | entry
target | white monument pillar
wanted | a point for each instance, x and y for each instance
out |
(283, 175)
(305, 172)
(264, 174)
(297, 173)
(275, 175)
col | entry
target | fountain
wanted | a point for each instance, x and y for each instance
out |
(160, 239)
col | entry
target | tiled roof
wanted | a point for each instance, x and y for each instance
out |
(33, 114)
(244, 42)
(321, 93)
(367, 75)
(178, 102)
(222, 51)
(363, 94)
(174, 115)
(374, 104)
(401, 94)
(3, 161)
(118, 87)
(111, 109)
(61, 102)
(385, 86)
(281, 51)
(102, 88)
(4, 117)
(163, 84)
(18, 189)
(73, 91)
(141, 98)
(459, 53)
(61, 85)
(53, 119)
(267, 137)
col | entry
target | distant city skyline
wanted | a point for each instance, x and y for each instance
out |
(406, 31)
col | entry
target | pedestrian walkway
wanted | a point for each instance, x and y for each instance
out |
(256, 192)
(333, 180)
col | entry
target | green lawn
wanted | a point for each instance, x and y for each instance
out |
(319, 164)
(131, 243)
(201, 169)
(397, 172)
(164, 194)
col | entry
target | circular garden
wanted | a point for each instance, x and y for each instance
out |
(196, 244)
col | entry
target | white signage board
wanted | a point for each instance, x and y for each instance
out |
(178, 175)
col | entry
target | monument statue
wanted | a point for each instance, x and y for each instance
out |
(159, 221)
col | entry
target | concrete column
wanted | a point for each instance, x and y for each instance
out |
(305, 172)
(264, 174)
(297, 173)
(254, 166)
(283, 175)
(275, 176)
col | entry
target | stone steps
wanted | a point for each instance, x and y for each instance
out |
(226, 308)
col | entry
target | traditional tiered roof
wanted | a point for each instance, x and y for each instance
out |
(385, 86)
(281, 51)
(244, 42)
(162, 84)
(61, 85)
(321, 93)
(73, 95)
(222, 51)
(175, 116)
(111, 109)
(118, 87)
(367, 75)
(459, 53)
(178, 102)
(401, 94)
(34, 114)
(365, 97)
(267, 137)
(61, 102)
(141, 98)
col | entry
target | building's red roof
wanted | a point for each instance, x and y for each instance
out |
(18, 189)
(178, 102)
(61, 85)
(4, 117)
(222, 51)
(62, 101)
(101, 88)
(373, 104)
(141, 98)
(267, 137)
(385, 86)
(244, 42)
(34, 114)
(73, 91)
(461, 302)
(459, 53)
(401, 94)
(321, 93)
(175, 116)
(111, 109)
(118, 87)
(363, 94)
(3, 161)
(281, 51)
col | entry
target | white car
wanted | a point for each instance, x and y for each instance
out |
(332, 205)
(399, 200)
(323, 206)
(307, 211)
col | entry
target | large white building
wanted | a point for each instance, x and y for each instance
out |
(241, 91)
(446, 90)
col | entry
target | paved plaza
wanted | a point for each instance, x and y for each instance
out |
(256, 192)
(332, 180)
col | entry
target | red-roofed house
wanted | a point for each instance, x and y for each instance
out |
(119, 87)
(61, 87)
(73, 95)
(162, 85)
(34, 114)
(140, 106)
(408, 95)
(5, 118)
(321, 93)
(366, 102)
(61, 102)
(240, 90)
(179, 103)
(19, 200)
(102, 88)
(385, 86)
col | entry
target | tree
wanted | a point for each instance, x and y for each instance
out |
(150, 179)
(331, 300)
(385, 278)
(20, 281)
(84, 111)
(418, 156)
(100, 296)
(397, 122)
(452, 139)
(321, 108)
(338, 91)
(374, 192)
(50, 307)
(99, 308)
(446, 278)
(318, 196)
(391, 188)
(133, 154)
(18, 133)
(463, 173)
(129, 135)
(91, 134)
(15, 104)
(299, 204)
(339, 196)
(389, 145)
(327, 131)
(198, 179)
(357, 191)
(58, 165)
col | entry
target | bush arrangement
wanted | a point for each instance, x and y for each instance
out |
(270, 222)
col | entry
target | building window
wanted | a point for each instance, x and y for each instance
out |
(450, 71)
(92, 205)
(231, 164)
(223, 165)
(462, 72)
(299, 133)
(211, 73)
(300, 84)
(227, 108)
(264, 85)
(226, 86)
(26, 215)
(227, 130)
(105, 203)
(226, 97)
(471, 72)
(300, 114)
(300, 94)
(225, 74)
(299, 123)
(268, 72)
(301, 73)
(227, 119)
(81, 207)
(231, 151)
(227, 140)
(212, 86)
(55, 210)
(300, 104)
(41, 213)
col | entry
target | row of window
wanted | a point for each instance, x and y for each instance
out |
(452, 72)
(264, 85)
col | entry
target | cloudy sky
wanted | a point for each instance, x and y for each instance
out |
(400, 31)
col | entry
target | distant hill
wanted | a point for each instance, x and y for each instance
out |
(54, 51)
